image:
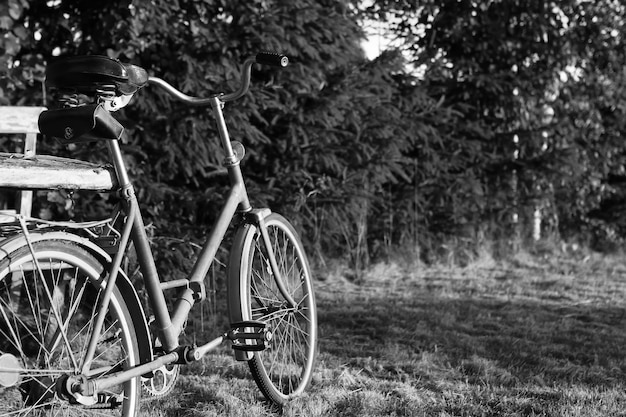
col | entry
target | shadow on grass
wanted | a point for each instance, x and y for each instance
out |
(477, 340)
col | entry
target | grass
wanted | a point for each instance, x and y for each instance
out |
(529, 337)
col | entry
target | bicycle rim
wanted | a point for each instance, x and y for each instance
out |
(45, 322)
(285, 369)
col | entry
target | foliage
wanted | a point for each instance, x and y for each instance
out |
(488, 112)
(198, 46)
(539, 85)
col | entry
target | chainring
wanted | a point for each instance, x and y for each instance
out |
(162, 382)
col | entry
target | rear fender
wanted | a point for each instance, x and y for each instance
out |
(126, 288)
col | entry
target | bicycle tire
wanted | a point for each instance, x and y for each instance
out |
(284, 370)
(46, 345)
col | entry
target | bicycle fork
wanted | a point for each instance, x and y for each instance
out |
(234, 155)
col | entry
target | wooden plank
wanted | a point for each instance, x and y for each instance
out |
(22, 120)
(26, 202)
(19, 119)
(7, 216)
(30, 144)
(51, 172)
(26, 197)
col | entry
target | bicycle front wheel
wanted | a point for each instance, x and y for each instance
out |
(285, 368)
(47, 312)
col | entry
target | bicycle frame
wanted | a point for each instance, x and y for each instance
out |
(169, 325)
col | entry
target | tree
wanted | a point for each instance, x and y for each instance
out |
(288, 117)
(490, 111)
(505, 66)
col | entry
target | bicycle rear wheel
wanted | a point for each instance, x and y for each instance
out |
(285, 368)
(46, 320)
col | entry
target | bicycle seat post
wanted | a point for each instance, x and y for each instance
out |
(142, 246)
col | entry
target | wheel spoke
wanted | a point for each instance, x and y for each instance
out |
(46, 316)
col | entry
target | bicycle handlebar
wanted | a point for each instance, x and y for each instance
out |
(263, 58)
(272, 59)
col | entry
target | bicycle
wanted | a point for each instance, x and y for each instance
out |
(74, 337)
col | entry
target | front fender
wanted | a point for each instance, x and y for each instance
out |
(238, 294)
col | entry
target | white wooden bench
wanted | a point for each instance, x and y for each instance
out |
(22, 120)
(28, 171)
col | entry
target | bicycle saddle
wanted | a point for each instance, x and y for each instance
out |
(88, 74)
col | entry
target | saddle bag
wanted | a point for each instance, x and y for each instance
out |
(80, 124)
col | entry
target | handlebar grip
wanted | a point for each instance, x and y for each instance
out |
(271, 58)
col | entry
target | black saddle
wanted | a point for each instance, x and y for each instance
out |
(87, 74)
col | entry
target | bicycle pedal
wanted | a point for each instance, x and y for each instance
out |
(250, 336)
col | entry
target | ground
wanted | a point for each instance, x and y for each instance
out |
(530, 336)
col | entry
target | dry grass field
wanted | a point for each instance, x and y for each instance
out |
(533, 336)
